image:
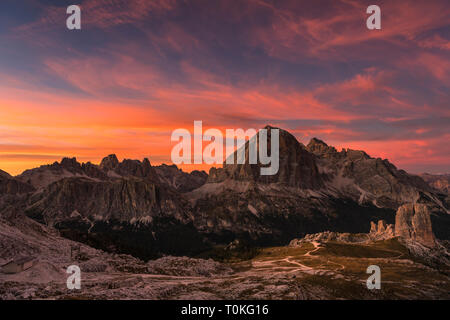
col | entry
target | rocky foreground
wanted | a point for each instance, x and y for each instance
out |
(321, 266)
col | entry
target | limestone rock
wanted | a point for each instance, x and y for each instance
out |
(179, 180)
(297, 166)
(320, 148)
(185, 266)
(11, 186)
(4, 175)
(110, 167)
(92, 170)
(327, 236)
(109, 163)
(68, 167)
(136, 168)
(381, 231)
(373, 227)
(354, 174)
(439, 182)
(413, 222)
(71, 165)
(390, 231)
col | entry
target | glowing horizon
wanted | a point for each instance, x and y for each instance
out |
(140, 69)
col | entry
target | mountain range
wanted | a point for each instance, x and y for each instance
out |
(144, 210)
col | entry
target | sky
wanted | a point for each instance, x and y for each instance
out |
(137, 70)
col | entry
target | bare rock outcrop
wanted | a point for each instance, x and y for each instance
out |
(330, 236)
(413, 222)
(109, 163)
(439, 182)
(185, 266)
(320, 148)
(381, 231)
(11, 186)
(181, 181)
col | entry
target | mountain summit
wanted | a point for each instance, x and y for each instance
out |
(297, 167)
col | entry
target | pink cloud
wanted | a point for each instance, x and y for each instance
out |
(290, 35)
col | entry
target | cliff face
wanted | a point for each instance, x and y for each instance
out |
(179, 180)
(118, 199)
(413, 222)
(297, 167)
(121, 206)
(12, 186)
(114, 190)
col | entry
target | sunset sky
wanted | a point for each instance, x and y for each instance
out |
(140, 69)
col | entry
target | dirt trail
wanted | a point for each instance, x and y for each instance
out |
(316, 247)
(299, 266)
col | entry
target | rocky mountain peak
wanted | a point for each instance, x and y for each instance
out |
(320, 148)
(10, 185)
(146, 162)
(109, 163)
(71, 164)
(128, 167)
(316, 142)
(356, 154)
(4, 175)
(136, 168)
(297, 167)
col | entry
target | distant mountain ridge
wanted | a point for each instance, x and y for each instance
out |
(355, 174)
(440, 182)
(10, 186)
